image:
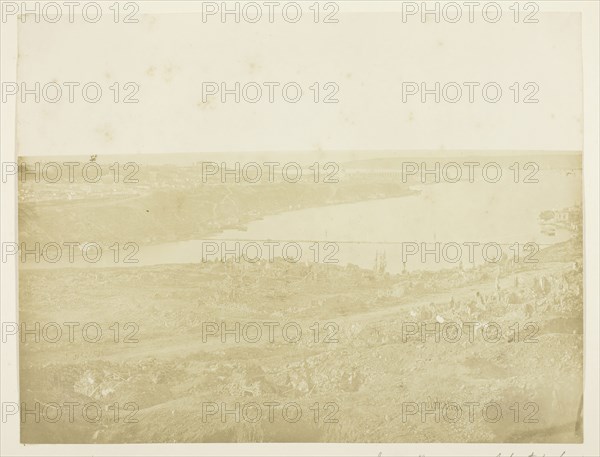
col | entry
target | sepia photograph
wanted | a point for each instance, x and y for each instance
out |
(328, 228)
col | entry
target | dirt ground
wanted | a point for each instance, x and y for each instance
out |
(357, 372)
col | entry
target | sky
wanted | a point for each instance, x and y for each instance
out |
(366, 57)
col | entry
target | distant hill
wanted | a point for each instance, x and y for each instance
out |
(546, 160)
